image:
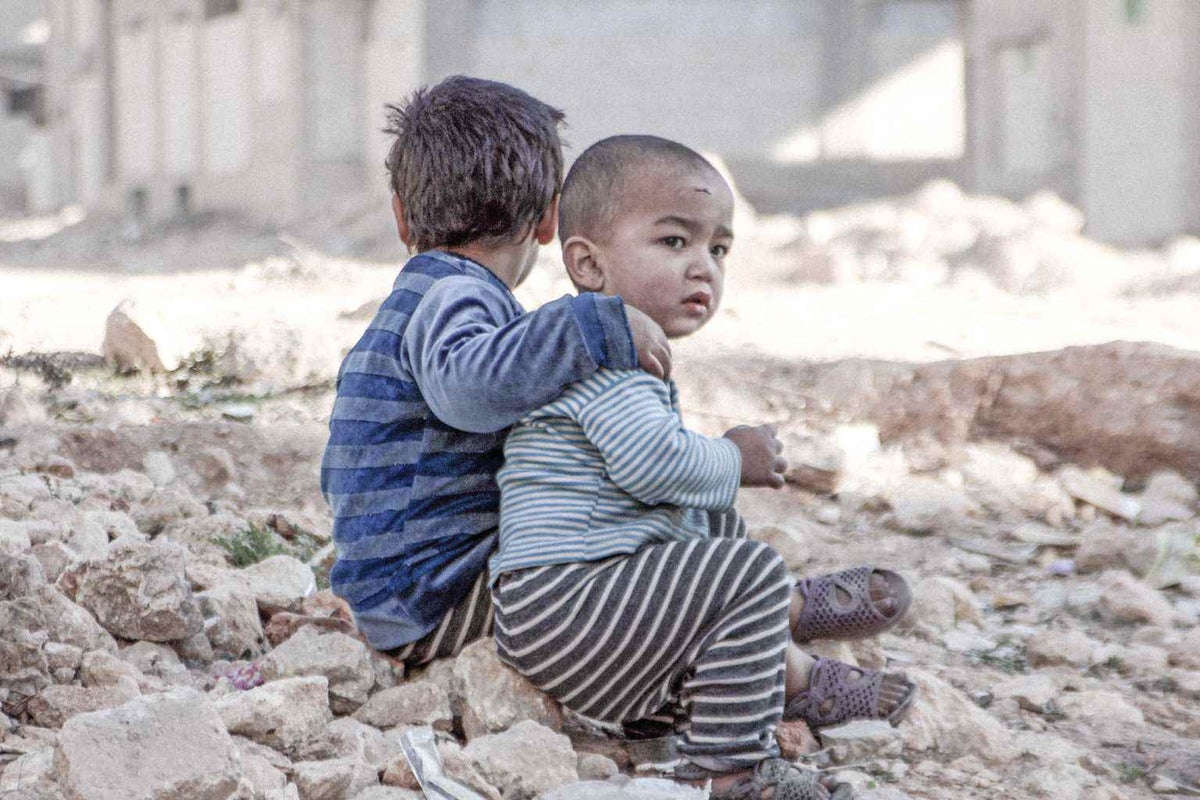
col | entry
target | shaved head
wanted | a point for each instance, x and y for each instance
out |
(596, 185)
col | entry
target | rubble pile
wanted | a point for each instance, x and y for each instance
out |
(164, 631)
(939, 235)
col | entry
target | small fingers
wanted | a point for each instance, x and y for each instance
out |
(663, 354)
(780, 465)
(775, 481)
(653, 366)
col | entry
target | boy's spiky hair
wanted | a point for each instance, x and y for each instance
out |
(591, 194)
(473, 160)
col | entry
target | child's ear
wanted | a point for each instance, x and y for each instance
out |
(579, 257)
(548, 225)
(401, 221)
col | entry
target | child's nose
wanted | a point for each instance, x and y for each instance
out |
(703, 267)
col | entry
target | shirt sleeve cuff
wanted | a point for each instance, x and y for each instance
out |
(605, 330)
(732, 464)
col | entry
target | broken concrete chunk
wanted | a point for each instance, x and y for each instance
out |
(167, 745)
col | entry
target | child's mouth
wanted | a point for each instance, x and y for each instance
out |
(698, 303)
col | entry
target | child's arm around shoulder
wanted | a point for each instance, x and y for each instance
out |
(481, 365)
(647, 450)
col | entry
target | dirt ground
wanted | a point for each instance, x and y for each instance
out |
(1009, 711)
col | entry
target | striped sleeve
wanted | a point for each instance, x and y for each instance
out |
(648, 452)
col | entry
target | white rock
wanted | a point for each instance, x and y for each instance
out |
(158, 660)
(636, 789)
(926, 505)
(101, 668)
(336, 779)
(1167, 485)
(126, 346)
(282, 714)
(1104, 546)
(461, 768)
(18, 409)
(1110, 716)
(524, 761)
(943, 720)
(54, 705)
(262, 780)
(20, 576)
(494, 697)
(138, 591)
(593, 766)
(167, 745)
(278, 583)
(158, 467)
(14, 539)
(942, 603)
(1049, 210)
(349, 738)
(343, 660)
(1032, 692)
(1100, 489)
(387, 793)
(1053, 647)
(231, 622)
(1124, 598)
(70, 623)
(114, 523)
(416, 703)
(792, 542)
(31, 776)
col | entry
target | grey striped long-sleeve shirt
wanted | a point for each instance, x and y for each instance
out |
(605, 469)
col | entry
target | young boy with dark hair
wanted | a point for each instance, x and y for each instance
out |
(451, 360)
(624, 585)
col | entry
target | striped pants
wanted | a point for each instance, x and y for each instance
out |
(471, 619)
(690, 633)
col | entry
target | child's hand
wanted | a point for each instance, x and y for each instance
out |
(762, 464)
(653, 350)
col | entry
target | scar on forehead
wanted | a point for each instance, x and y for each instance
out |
(702, 189)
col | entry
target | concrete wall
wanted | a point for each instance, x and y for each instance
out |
(394, 58)
(274, 110)
(1025, 60)
(773, 82)
(1096, 100)
(1140, 152)
(26, 173)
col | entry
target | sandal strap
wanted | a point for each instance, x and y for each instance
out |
(839, 605)
(772, 777)
(854, 692)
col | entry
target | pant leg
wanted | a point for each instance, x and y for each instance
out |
(726, 524)
(471, 619)
(701, 622)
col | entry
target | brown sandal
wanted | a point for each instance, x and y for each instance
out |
(839, 692)
(782, 779)
(839, 605)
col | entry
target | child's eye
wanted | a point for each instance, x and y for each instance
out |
(720, 250)
(674, 242)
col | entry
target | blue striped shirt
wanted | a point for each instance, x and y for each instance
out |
(424, 400)
(605, 469)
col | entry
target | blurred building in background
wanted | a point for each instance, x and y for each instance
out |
(26, 176)
(1098, 100)
(273, 108)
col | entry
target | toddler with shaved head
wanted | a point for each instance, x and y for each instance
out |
(624, 585)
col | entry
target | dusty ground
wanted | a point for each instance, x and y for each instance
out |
(1048, 667)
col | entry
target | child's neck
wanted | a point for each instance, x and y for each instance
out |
(508, 262)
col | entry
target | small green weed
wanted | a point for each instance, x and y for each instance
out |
(251, 546)
(1128, 773)
(1006, 657)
